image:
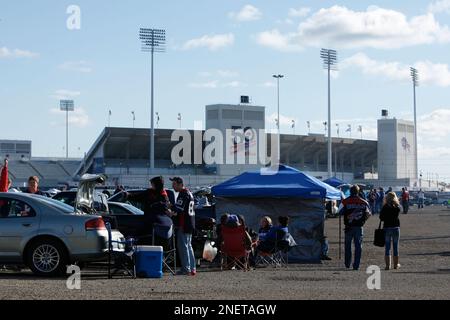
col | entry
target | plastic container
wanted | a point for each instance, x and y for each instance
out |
(149, 261)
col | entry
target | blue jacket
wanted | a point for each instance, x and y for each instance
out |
(272, 234)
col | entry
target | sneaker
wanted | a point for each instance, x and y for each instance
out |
(193, 272)
(326, 258)
(182, 273)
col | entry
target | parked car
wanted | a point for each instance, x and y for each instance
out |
(46, 235)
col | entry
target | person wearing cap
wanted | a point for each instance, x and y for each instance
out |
(185, 225)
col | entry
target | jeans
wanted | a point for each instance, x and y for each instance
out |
(420, 204)
(405, 205)
(185, 251)
(373, 207)
(394, 235)
(378, 207)
(355, 234)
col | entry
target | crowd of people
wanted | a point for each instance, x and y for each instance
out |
(161, 208)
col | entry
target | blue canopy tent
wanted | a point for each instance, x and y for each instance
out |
(286, 182)
(334, 182)
(284, 192)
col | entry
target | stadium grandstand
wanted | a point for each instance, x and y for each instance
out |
(123, 155)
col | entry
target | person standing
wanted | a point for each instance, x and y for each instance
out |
(185, 224)
(390, 216)
(373, 195)
(155, 205)
(5, 182)
(405, 200)
(356, 211)
(421, 199)
(380, 199)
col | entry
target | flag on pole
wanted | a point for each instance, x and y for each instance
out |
(349, 128)
(293, 124)
(359, 128)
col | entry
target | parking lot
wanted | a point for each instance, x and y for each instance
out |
(425, 273)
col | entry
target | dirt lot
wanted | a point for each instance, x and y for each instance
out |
(425, 273)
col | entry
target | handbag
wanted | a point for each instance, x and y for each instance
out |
(379, 238)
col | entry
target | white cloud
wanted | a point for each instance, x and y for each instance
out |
(430, 152)
(300, 12)
(78, 118)
(376, 27)
(16, 53)
(63, 94)
(429, 73)
(247, 13)
(205, 85)
(234, 84)
(79, 66)
(228, 73)
(269, 84)
(212, 42)
(214, 84)
(276, 40)
(435, 125)
(439, 6)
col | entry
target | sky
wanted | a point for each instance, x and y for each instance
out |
(217, 51)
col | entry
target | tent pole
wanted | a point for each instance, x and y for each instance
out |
(340, 235)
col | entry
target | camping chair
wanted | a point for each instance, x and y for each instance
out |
(233, 251)
(169, 248)
(121, 256)
(277, 255)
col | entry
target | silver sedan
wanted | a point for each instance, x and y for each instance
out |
(47, 235)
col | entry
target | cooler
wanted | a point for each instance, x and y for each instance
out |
(149, 261)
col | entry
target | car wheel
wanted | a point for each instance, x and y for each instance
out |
(47, 258)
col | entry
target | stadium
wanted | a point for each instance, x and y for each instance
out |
(123, 154)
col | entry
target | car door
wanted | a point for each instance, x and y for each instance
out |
(18, 220)
(128, 223)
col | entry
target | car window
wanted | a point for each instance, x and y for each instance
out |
(117, 210)
(66, 198)
(11, 208)
(134, 210)
(56, 204)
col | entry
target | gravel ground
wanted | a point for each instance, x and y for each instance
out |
(424, 274)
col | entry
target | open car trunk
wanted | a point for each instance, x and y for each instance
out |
(85, 199)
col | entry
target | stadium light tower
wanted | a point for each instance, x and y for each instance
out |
(153, 40)
(278, 77)
(415, 80)
(329, 58)
(67, 105)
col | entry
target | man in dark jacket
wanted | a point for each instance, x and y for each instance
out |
(185, 224)
(356, 211)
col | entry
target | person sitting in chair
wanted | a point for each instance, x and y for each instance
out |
(275, 236)
(265, 225)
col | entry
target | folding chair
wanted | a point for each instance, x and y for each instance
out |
(233, 251)
(169, 248)
(277, 253)
(121, 260)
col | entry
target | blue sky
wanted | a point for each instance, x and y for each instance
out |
(216, 51)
